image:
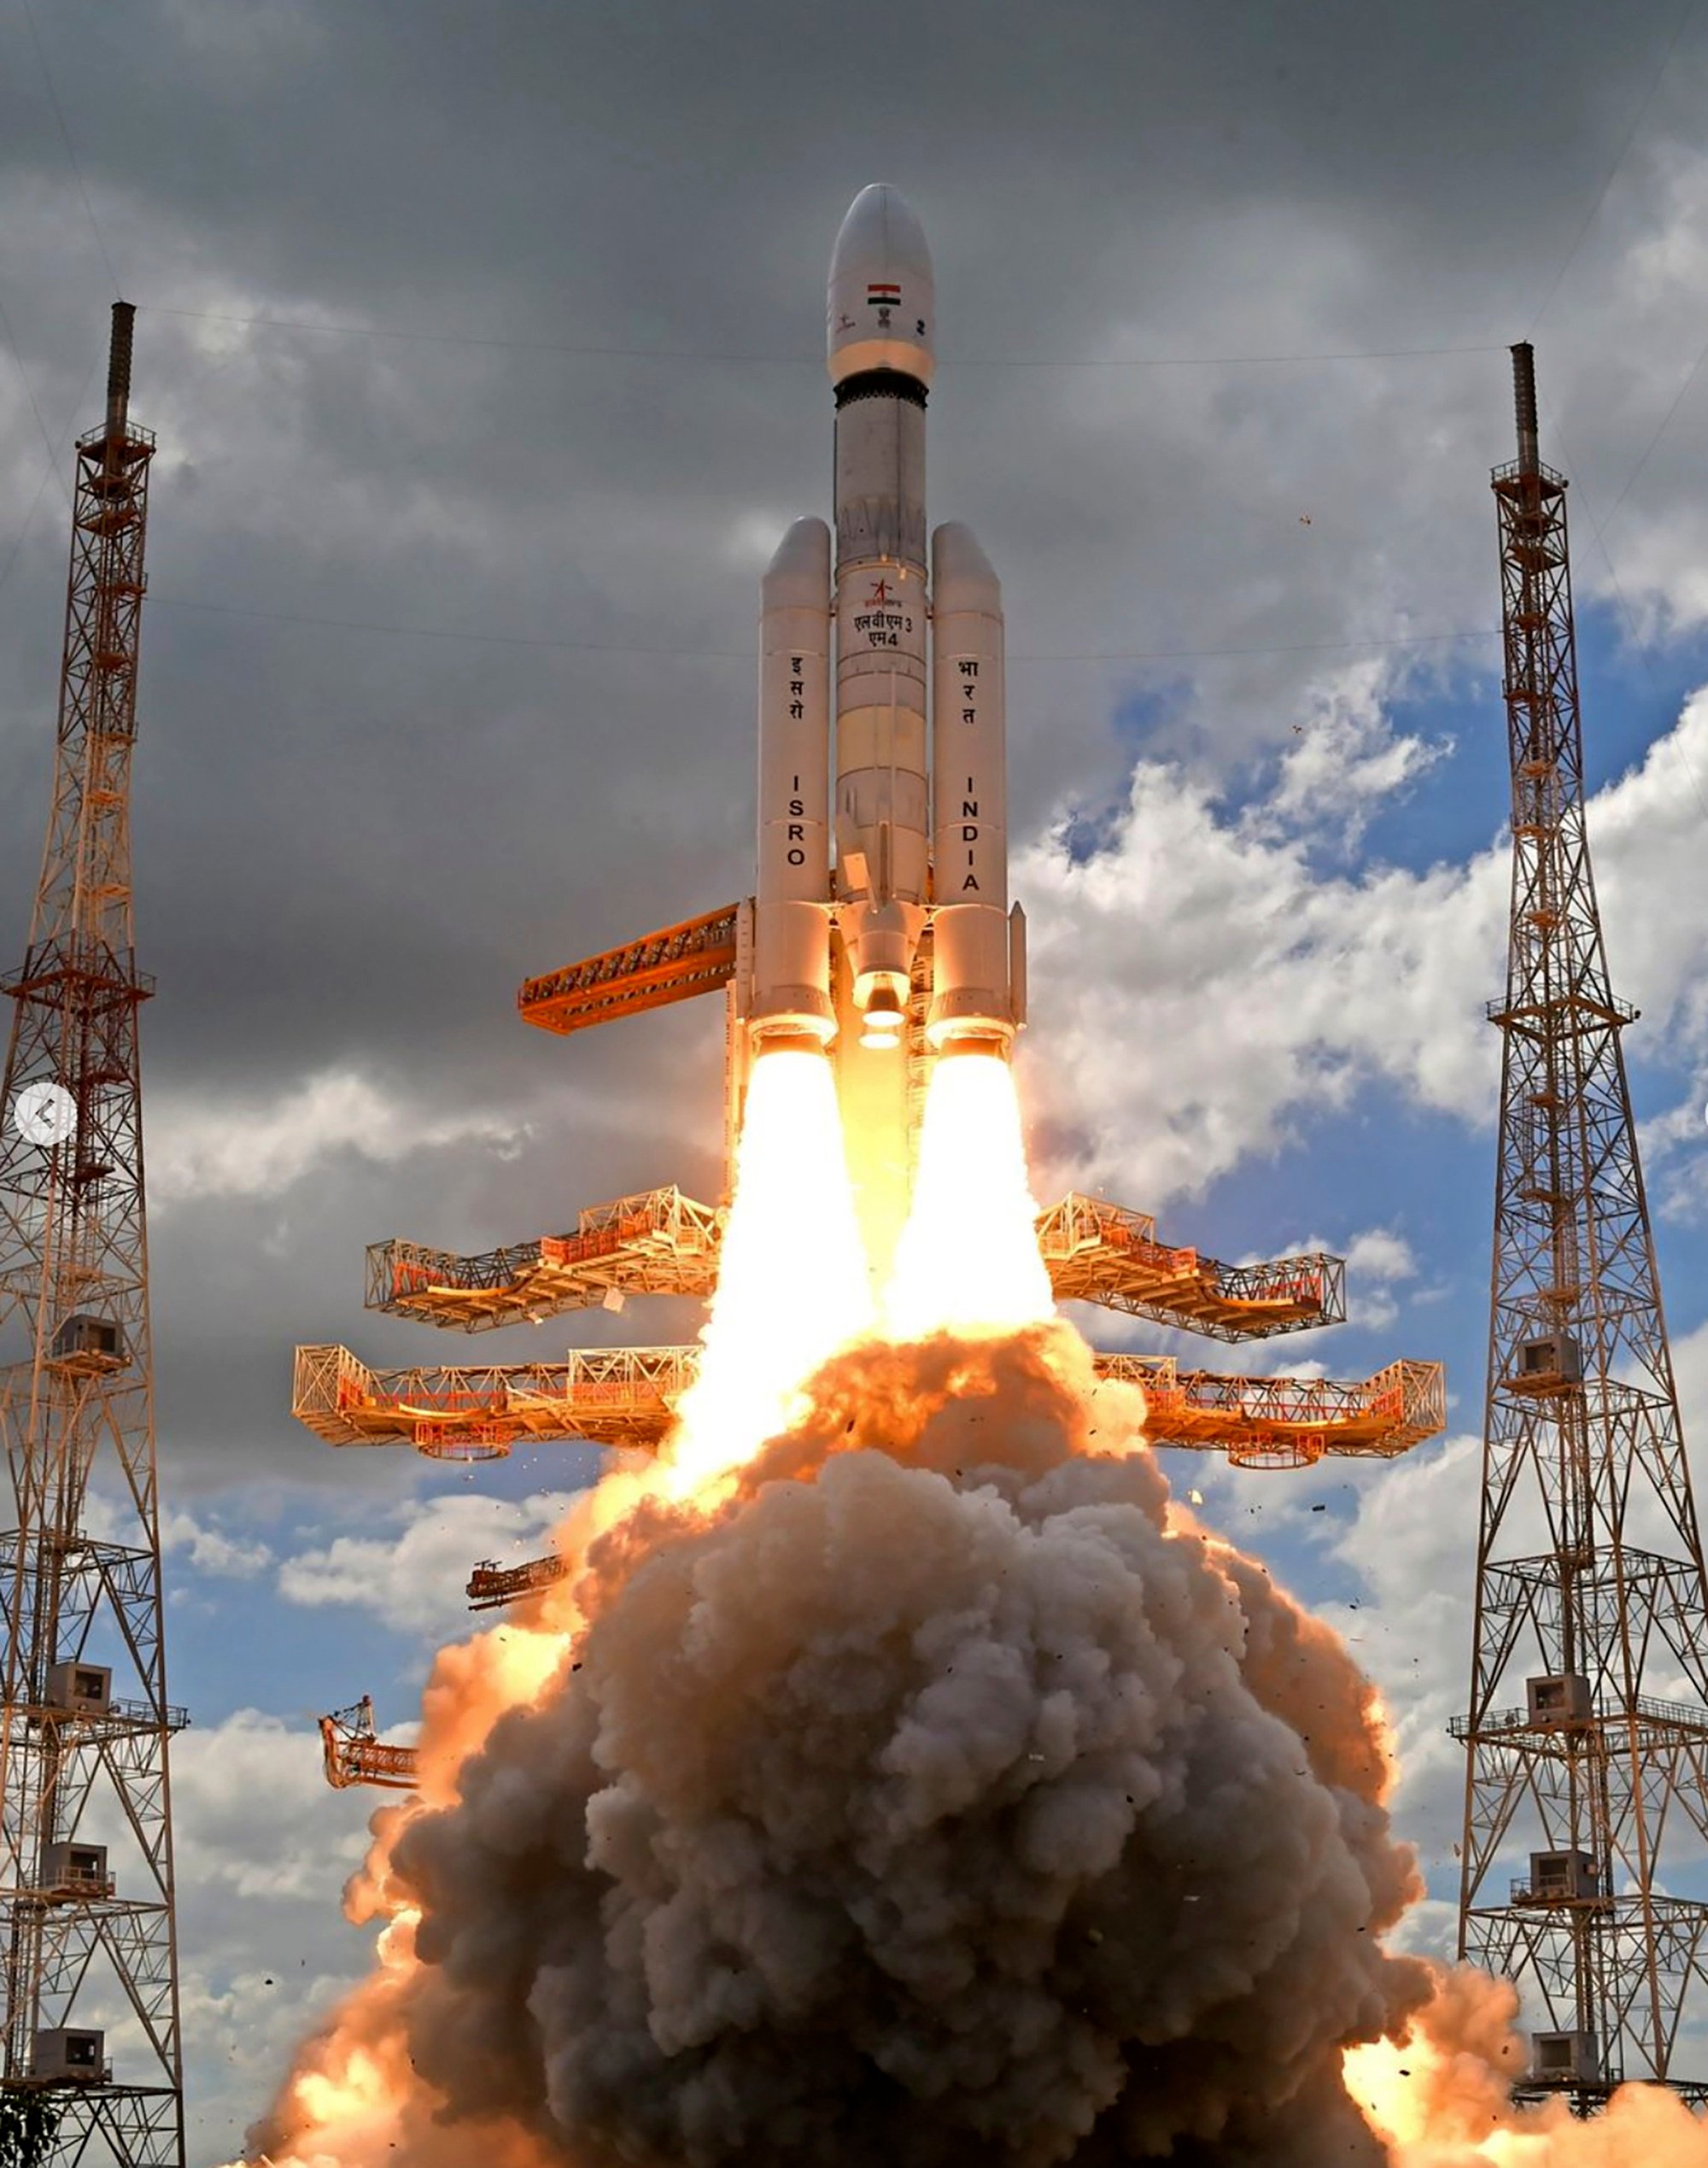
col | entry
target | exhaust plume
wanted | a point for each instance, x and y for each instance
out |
(942, 1787)
(903, 1777)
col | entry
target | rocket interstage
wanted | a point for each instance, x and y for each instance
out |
(917, 778)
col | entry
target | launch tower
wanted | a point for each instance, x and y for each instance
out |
(1587, 1737)
(92, 2063)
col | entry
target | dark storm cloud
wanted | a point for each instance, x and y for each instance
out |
(352, 843)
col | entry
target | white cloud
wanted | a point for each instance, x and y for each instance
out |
(1345, 759)
(1376, 1262)
(249, 1796)
(1380, 1254)
(263, 1848)
(1201, 982)
(200, 1149)
(1411, 1545)
(752, 536)
(414, 1579)
(110, 1516)
(211, 1549)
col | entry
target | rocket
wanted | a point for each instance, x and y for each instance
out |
(882, 831)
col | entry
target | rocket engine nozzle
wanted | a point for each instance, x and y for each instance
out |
(880, 939)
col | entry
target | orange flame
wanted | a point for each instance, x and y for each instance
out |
(968, 1260)
(1438, 2097)
(791, 1282)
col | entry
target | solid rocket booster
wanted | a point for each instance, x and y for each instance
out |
(894, 666)
(973, 940)
(791, 910)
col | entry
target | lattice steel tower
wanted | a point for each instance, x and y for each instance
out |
(91, 2027)
(1588, 1735)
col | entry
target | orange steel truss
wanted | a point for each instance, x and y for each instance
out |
(1258, 1422)
(1098, 1252)
(353, 1755)
(624, 1396)
(674, 964)
(659, 1242)
(491, 1586)
(604, 1396)
(1286, 1422)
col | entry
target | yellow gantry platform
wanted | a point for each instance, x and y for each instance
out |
(660, 1242)
(624, 1396)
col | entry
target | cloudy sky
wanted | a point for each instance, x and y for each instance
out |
(484, 349)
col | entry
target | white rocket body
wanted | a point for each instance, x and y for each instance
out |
(918, 704)
(879, 336)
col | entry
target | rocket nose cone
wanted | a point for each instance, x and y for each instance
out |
(880, 312)
(961, 578)
(881, 228)
(799, 574)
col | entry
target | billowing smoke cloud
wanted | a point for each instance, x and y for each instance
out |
(943, 1793)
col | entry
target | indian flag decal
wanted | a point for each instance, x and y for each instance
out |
(879, 295)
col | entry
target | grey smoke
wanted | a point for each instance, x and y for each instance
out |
(935, 1799)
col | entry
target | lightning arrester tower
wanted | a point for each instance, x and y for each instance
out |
(87, 1938)
(1586, 1740)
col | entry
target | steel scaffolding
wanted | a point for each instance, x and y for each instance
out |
(1577, 1770)
(90, 1945)
(625, 1397)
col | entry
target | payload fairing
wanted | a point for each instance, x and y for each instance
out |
(883, 836)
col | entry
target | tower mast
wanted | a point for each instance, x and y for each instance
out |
(1586, 1740)
(88, 1952)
